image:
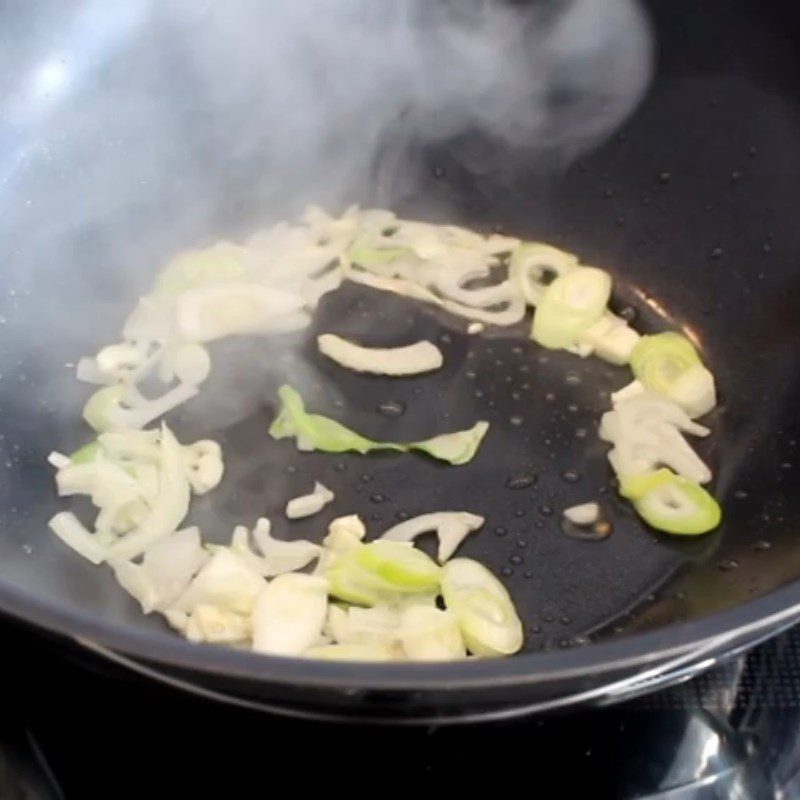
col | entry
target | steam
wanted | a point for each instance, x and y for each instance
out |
(130, 134)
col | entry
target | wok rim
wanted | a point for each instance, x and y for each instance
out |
(528, 669)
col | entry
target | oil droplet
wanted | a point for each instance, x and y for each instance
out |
(417, 390)
(338, 403)
(291, 469)
(521, 481)
(391, 408)
(681, 595)
(516, 421)
(375, 517)
(402, 515)
(572, 379)
(546, 511)
(664, 178)
(507, 572)
(477, 394)
(534, 628)
(565, 620)
(762, 544)
(520, 512)
(608, 193)
(471, 374)
(366, 478)
(528, 574)
(515, 560)
(549, 397)
(340, 466)
(728, 564)
(521, 543)
(740, 494)
(446, 338)
(572, 408)
(439, 172)
(377, 498)
(571, 475)
(500, 531)
(539, 524)
(716, 253)
(581, 433)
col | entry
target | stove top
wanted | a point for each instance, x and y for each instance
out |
(69, 729)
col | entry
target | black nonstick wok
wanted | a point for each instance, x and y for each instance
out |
(692, 205)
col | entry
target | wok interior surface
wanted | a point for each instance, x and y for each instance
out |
(692, 206)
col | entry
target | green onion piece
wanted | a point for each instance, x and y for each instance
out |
(569, 306)
(86, 454)
(350, 583)
(667, 363)
(397, 567)
(482, 607)
(316, 432)
(457, 448)
(671, 503)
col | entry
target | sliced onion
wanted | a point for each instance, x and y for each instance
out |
(534, 265)
(309, 504)
(482, 608)
(569, 306)
(431, 634)
(280, 556)
(225, 581)
(289, 614)
(71, 531)
(170, 507)
(451, 527)
(217, 311)
(413, 359)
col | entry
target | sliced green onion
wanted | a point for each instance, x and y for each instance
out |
(671, 503)
(456, 448)
(482, 607)
(667, 363)
(569, 306)
(350, 583)
(397, 567)
(316, 432)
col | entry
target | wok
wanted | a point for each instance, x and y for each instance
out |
(116, 150)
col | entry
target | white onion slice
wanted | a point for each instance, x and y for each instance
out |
(170, 507)
(58, 460)
(451, 527)
(309, 504)
(431, 634)
(280, 556)
(413, 359)
(289, 614)
(72, 532)
(220, 310)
